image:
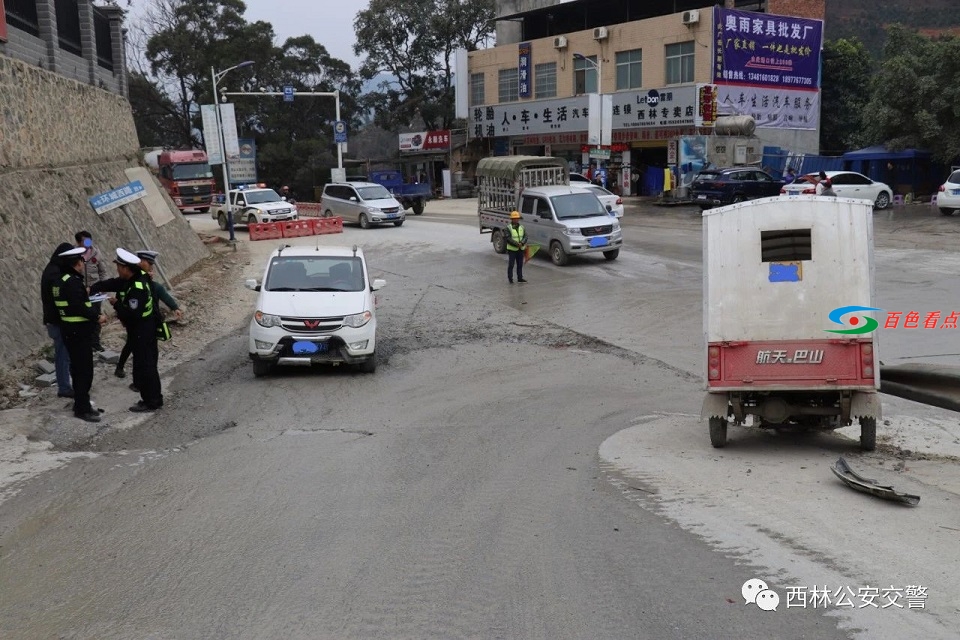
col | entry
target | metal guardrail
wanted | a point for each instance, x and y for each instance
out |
(936, 385)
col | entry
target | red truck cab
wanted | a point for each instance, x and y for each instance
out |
(188, 178)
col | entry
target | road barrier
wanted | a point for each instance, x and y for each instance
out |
(322, 226)
(297, 228)
(265, 231)
(309, 209)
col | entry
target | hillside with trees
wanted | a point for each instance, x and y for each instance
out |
(868, 20)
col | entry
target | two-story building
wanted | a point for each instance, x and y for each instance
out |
(665, 70)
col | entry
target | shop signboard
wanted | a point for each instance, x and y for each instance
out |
(641, 109)
(425, 141)
(706, 105)
(771, 108)
(525, 69)
(766, 50)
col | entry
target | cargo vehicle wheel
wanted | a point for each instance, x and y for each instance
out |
(251, 220)
(946, 212)
(868, 434)
(499, 242)
(328, 214)
(261, 368)
(883, 200)
(418, 207)
(612, 254)
(558, 255)
(364, 221)
(398, 223)
(222, 221)
(718, 432)
(369, 365)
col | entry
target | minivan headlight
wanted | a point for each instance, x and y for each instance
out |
(266, 320)
(374, 210)
(357, 320)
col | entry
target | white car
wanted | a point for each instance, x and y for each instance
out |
(846, 184)
(255, 204)
(316, 305)
(948, 198)
(608, 199)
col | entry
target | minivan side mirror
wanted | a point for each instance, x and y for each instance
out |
(284, 198)
(353, 198)
(378, 284)
(609, 208)
(252, 285)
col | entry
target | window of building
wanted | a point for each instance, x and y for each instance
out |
(509, 85)
(629, 74)
(585, 75)
(477, 93)
(545, 80)
(679, 62)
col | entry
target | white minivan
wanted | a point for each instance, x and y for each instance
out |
(365, 203)
(316, 305)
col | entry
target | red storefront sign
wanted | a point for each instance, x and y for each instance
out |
(616, 148)
(620, 137)
(425, 141)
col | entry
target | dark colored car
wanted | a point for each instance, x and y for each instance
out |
(718, 187)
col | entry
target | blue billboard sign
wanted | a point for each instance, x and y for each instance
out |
(525, 69)
(766, 50)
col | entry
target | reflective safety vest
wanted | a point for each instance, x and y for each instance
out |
(517, 237)
(63, 305)
(138, 284)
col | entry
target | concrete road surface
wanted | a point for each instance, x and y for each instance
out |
(524, 464)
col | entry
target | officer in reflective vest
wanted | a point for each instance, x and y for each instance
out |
(78, 321)
(516, 244)
(136, 309)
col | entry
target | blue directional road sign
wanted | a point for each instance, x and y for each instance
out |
(339, 131)
(288, 94)
(118, 197)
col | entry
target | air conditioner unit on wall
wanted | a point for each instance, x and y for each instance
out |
(600, 33)
(691, 17)
(560, 42)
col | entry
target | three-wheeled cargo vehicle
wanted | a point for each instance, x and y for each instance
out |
(788, 288)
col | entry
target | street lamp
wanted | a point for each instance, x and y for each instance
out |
(215, 77)
(598, 67)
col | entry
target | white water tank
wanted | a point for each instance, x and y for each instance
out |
(735, 126)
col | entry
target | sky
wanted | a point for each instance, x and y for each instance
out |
(330, 22)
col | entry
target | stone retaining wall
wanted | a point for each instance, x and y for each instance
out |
(60, 143)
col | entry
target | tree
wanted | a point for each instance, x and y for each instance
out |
(844, 94)
(155, 115)
(915, 99)
(413, 41)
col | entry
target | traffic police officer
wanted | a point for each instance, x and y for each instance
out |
(78, 318)
(137, 309)
(516, 244)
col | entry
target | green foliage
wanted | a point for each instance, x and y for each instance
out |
(915, 99)
(844, 93)
(184, 40)
(413, 41)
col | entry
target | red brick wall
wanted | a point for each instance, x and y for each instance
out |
(801, 8)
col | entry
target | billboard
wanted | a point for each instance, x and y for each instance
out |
(638, 109)
(766, 50)
(425, 141)
(243, 170)
(771, 107)
(525, 66)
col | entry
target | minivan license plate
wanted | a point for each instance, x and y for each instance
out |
(598, 242)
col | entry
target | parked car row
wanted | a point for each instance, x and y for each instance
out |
(719, 187)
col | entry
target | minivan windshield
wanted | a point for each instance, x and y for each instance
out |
(373, 193)
(577, 205)
(315, 273)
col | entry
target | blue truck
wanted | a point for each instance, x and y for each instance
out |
(409, 195)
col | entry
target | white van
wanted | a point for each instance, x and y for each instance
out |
(367, 203)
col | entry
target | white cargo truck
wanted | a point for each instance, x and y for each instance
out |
(563, 219)
(788, 339)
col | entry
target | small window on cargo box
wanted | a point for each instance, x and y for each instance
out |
(789, 245)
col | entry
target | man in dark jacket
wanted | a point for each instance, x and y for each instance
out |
(77, 320)
(136, 309)
(51, 319)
